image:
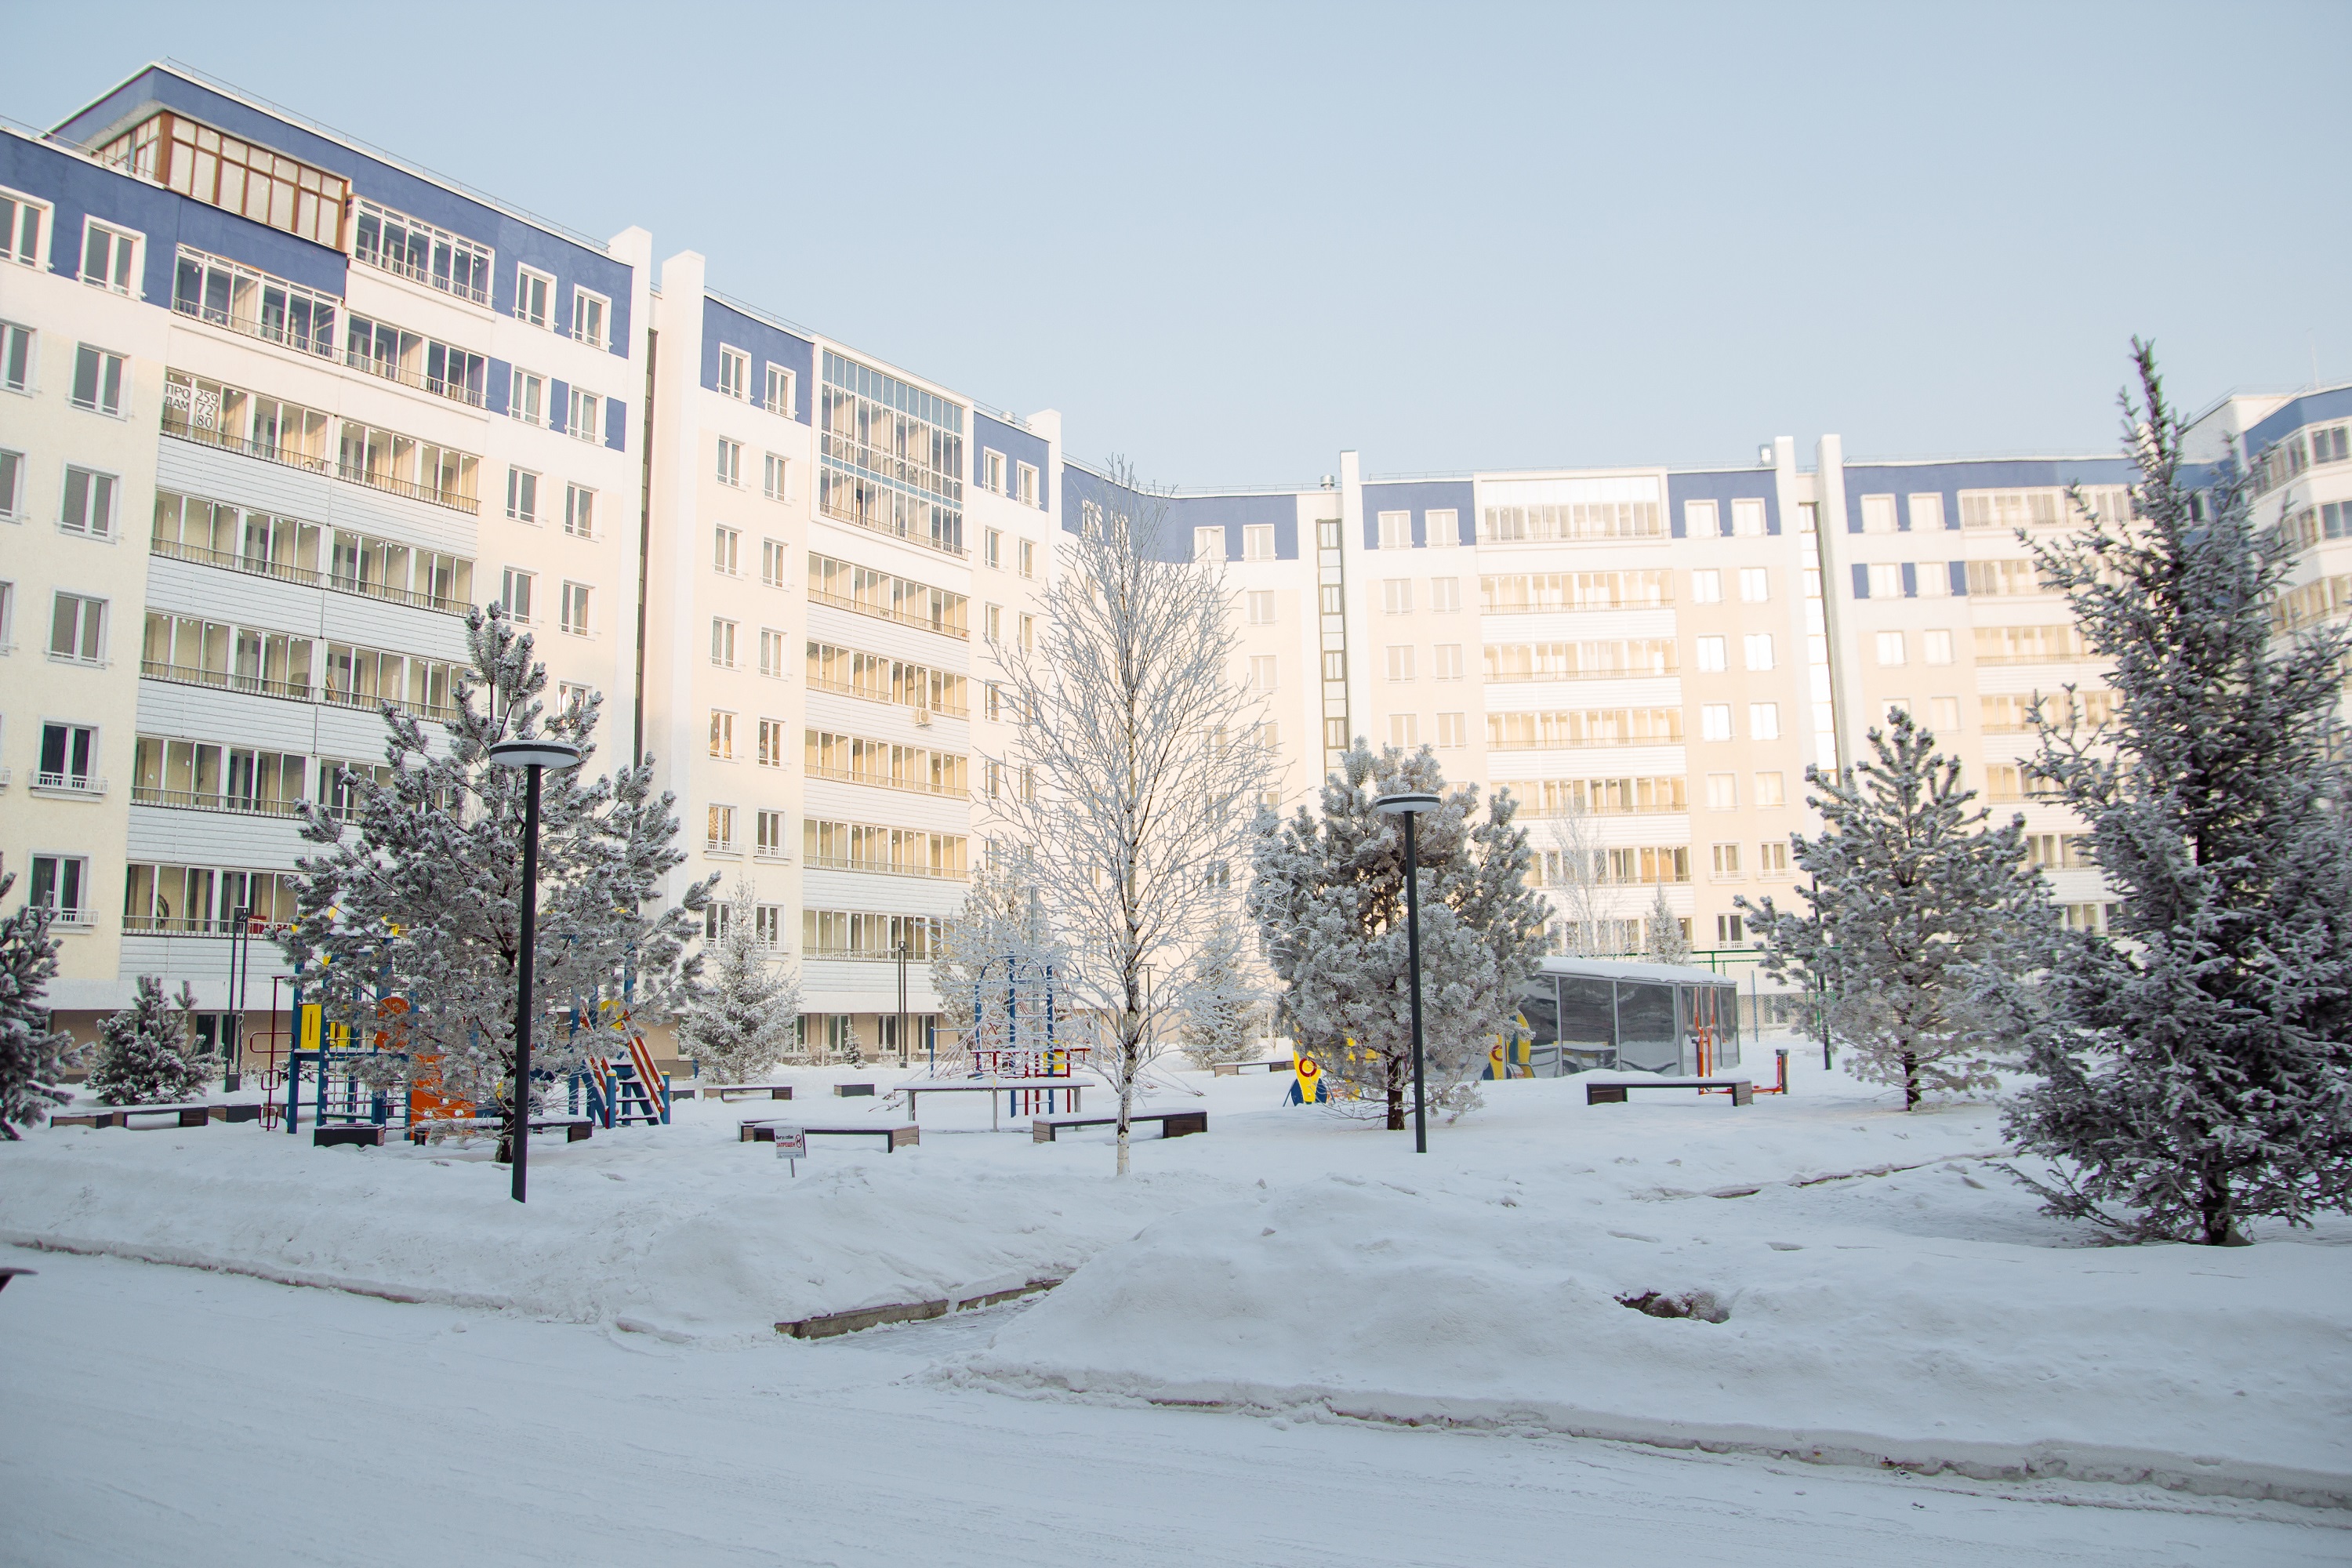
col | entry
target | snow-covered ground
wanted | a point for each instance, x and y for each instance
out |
(1889, 1299)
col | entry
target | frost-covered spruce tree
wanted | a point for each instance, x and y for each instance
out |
(744, 1015)
(1132, 772)
(34, 1057)
(2195, 1062)
(416, 895)
(1222, 998)
(1916, 898)
(1665, 943)
(144, 1055)
(1328, 899)
(1000, 929)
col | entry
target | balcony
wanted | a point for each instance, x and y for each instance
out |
(176, 925)
(189, 800)
(69, 787)
(306, 576)
(439, 387)
(888, 613)
(883, 781)
(884, 867)
(225, 680)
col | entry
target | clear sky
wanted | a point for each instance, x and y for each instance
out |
(1230, 241)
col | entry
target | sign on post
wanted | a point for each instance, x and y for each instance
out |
(792, 1143)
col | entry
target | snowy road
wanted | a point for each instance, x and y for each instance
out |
(158, 1415)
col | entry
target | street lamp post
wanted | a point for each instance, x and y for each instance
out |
(1409, 807)
(534, 757)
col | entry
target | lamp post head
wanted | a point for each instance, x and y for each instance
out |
(535, 753)
(1408, 804)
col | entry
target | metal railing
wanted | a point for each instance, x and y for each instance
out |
(848, 863)
(921, 623)
(180, 429)
(847, 776)
(189, 800)
(223, 680)
(439, 387)
(177, 925)
(319, 347)
(953, 710)
(69, 783)
(372, 701)
(383, 262)
(904, 535)
(308, 576)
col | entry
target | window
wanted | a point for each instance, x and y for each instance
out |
(772, 744)
(20, 230)
(1028, 631)
(770, 842)
(1707, 588)
(1025, 479)
(60, 882)
(991, 547)
(773, 557)
(1447, 661)
(1933, 579)
(1726, 861)
(1754, 584)
(1208, 544)
(1890, 649)
(1442, 528)
(1404, 730)
(731, 462)
(579, 511)
(722, 735)
(1770, 790)
(1772, 857)
(2008, 510)
(721, 836)
(68, 754)
(7, 617)
(108, 259)
(1262, 668)
(992, 623)
(575, 609)
(1712, 656)
(527, 397)
(1757, 647)
(515, 594)
(78, 629)
(1396, 595)
(1257, 541)
(1335, 734)
(722, 642)
(992, 471)
(1747, 517)
(1335, 665)
(1401, 661)
(1261, 606)
(1396, 531)
(98, 380)
(418, 251)
(1884, 581)
(1729, 930)
(570, 699)
(994, 701)
(1699, 519)
(1331, 598)
(1927, 512)
(734, 373)
(1028, 557)
(1878, 514)
(16, 356)
(1722, 792)
(12, 486)
(1445, 595)
(1715, 721)
(89, 508)
(1764, 721)
(776, 478)
(522, 495)
(1946, 712)
(1935, 648)
(532, 293)
(725, 546)
(587, 423)
(588, 314)
(772, 653)
(780, 398)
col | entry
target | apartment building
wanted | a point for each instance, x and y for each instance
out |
(276, 408)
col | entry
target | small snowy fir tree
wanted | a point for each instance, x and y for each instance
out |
(1223, 998)
(415, 896)
(1133, 765)
(144, 1055)
(995, 957)
(1913, 898)
(1328, 899)
(2195, 1062)
(744, 1015)
(1666, 943)
(34, 1057)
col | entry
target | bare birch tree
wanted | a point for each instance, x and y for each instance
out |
(1133, 773)
(1573, 889)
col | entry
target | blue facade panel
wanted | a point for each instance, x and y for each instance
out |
(1171, 520)
(723, 325)
(616, 424)
(1018, 445)
(1722, 488)
(1949, 480)
(1421, 498)
(512, 239)
(2312, 409)
(1860, 580)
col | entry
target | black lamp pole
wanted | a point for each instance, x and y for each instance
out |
(1410, 806)
(534, 757)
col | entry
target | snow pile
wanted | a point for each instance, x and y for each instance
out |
(1453, 1302)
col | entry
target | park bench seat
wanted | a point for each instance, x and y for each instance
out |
(1743, 1090)
(191, 1115)
(1234, 1069)
(1172, 1123)
(728, 1092)
(576, 1129)
(895, 1135)
(357, 1135)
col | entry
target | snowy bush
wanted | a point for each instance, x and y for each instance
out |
(33, 1056)
(144, 1055)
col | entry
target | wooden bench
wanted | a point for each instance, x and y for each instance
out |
(1743, 1090)
(853, 1090)
(728, 1093)
(194, 1115)
(1172, 1123)
(894, 1136)
(1234, 1069)
(576, 1129)
(357, 1135)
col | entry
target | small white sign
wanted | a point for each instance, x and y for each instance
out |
(792, 1143)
